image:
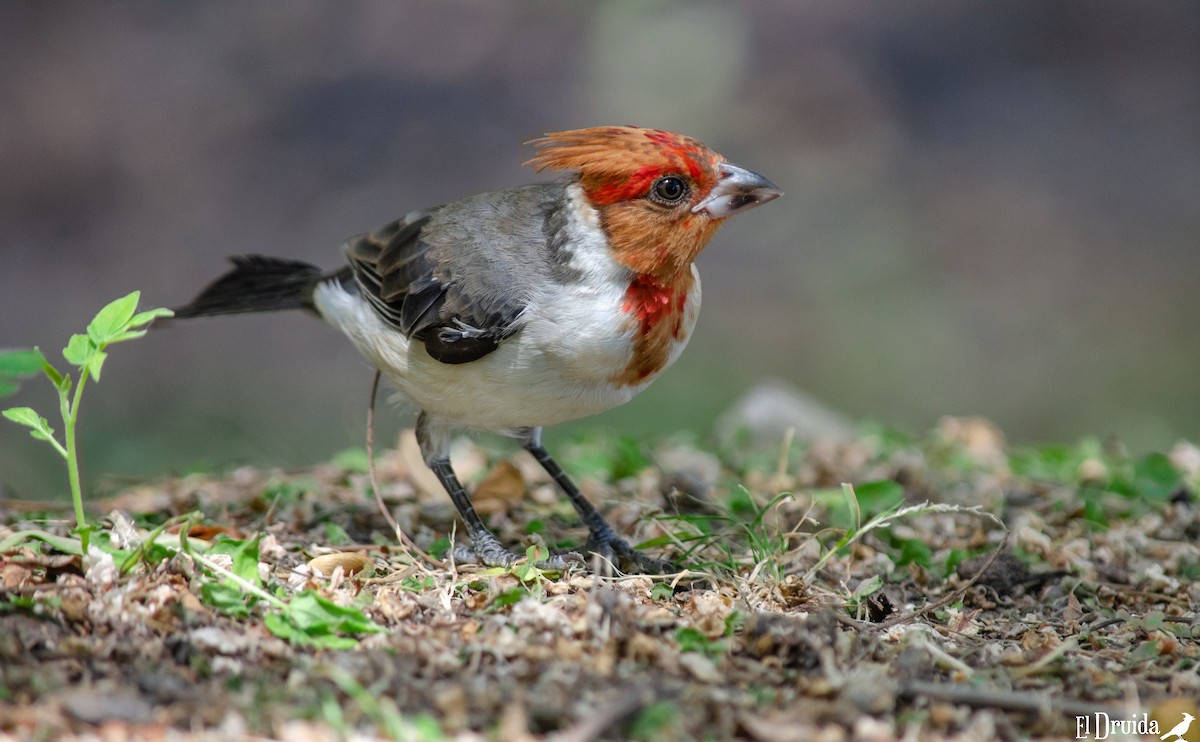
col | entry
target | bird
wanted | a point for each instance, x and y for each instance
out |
(515, 309)
(1181, 728)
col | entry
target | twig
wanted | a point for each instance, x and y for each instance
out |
(1069, 645)
(949, 598)
(918, 612)
(405, 543)
(1035, 702)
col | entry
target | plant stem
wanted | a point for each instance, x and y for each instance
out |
(70, 415)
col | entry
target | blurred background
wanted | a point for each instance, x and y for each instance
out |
(990, 209)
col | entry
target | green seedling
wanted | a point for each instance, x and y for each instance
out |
(307, 618)
(115, 323)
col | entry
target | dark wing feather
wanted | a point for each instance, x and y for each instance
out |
(409, 284)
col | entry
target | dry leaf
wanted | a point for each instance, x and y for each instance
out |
(500, 490)
(351, 562)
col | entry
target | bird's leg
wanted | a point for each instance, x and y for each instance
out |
(602, 539)
(485, 547)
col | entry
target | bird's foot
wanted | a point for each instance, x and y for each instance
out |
(618, 551)
(490, 553)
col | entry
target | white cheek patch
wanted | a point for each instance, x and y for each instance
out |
(590, 253)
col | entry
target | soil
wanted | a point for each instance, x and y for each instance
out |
(1013, 606)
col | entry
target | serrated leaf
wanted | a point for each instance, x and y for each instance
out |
(28, 417)
(113, 318)
(79, 349)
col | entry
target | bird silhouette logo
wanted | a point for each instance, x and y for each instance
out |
(1181, 728)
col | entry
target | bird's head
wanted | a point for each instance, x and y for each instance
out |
(660, 195)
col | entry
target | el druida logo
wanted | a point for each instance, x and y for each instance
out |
(1102, 726)
(1179, 729)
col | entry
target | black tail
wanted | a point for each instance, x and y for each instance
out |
(256, 284)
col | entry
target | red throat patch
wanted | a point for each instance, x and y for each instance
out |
(657, 308)
(651, 302)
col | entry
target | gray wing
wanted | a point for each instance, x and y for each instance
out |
(426, 274)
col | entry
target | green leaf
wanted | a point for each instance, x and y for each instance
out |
(439, 547)
(28, 417)
(335, 535)
(245, 557)
(94, 364)
(741, 502)
(245, 562)
(1093, 507)
(693, 640)
(607, 457)
(655, 722)
(875, 497)
(16, 365)
(662, 591)
(332, 641)
(867, 587)
(65, 545)
(20, 363)
(351, 460)
(913, 551)
(953, 559)
(1155, 477)
(509, 597)
(418, 584)
(1046, 462)
(127, 335)
(79, 349)
(225, 597)
(314, 614)
(145, 318)
(63, 383)
(278, 625)
(113, 319)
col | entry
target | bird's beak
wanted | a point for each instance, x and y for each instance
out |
(737, 190)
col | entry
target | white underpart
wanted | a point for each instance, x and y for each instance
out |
(576, 338)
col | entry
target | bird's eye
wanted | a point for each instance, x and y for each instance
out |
(669, 190)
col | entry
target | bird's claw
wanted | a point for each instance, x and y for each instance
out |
(494, 555)
(618, 551)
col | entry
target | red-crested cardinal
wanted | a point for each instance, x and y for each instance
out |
(511, 310)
